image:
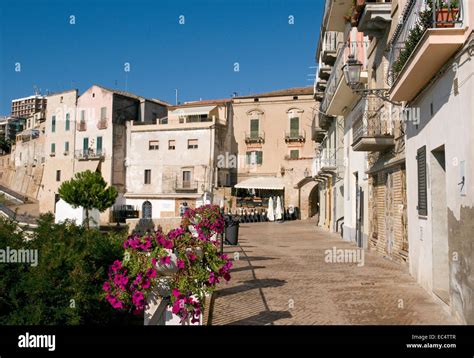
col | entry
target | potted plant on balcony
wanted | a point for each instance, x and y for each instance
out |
(447, 12)
(354, 12)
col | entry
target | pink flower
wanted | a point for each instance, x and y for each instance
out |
(117, 265)
(146, 284)
(180, 263)
(165, 260)
(106, 286)
(176, 293)
(151, 273)
(191, 256)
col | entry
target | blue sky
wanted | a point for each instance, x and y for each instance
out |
(197, 58)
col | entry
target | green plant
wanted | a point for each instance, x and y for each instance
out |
(64, 288)
(88, 190)
(423, 23)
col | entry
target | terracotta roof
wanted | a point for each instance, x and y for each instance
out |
(203, 103)
(134, 96)
(295, 91)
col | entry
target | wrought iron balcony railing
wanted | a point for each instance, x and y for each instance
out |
(295, 136)
(418, 16)
(89, 154)
(254, 137)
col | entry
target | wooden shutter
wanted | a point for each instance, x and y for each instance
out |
(422, 193)
(254, 128)
(294, 126)
(259, 157)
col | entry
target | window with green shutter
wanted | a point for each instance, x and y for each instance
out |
(68, 124)
(294, 126)
(99, 145)
(53, 148)
(422, 191)
(53, 124)
(66, 147)
(254, 128)
(259, 157)
(294, 154)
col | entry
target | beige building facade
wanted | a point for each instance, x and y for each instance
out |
(273, 140)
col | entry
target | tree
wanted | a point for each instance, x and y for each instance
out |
(88, 190)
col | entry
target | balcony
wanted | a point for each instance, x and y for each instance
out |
(375, 18)
(318, 134)
(186, 186)
(338, 95)
(89, 154)
(82, 126)
(325, 163)
(254, 137)
(372, 132)
(325, 121)
(102, 124)
(329, 47)
(412, 64)
(298, 136)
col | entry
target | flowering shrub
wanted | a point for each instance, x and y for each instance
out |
(187, 263)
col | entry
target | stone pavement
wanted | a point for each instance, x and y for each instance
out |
(281, 278)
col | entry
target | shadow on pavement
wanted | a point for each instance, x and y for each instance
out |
(263, 318)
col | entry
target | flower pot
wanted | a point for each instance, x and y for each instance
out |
(168, 269)
(445, 17)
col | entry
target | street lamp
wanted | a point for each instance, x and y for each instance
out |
(352, 70)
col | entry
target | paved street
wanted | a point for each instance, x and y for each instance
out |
(281, 278)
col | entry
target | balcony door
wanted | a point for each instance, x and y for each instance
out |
(254, 128)
(294, 126)
(187, 179)
(85, 145)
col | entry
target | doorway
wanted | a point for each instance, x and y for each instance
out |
(439, 224)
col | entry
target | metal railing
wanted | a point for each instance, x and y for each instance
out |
(372, 124)
(419, 13)
(102, 124)
(254, 137)
(295, 136)
(89, 154)
(81, 126)
(356, 48)
(186, 185)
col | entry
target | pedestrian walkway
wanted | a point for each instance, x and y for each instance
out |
(280, 276)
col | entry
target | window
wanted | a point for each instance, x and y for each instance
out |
(85, 144)
(147, 176)
(186, 178)
(254, 127)
(163, 120)
(53, 149)
(66, 147)
(99, 145)
(146, 210)
(83, 116)
(68, 122)
(192, 143)
(294, 126)
(103, 113)
(255, 99)
(58, 175)
(422, 192)
(295, 98)
(53, 124)
(171, 144)
(254, 157)
(294, 154)
(153, 145)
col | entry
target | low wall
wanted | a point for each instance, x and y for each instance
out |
(167, 224)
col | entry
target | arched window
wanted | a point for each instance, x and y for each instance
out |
(146, 210)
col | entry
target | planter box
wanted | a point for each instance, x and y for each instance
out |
(445, 18)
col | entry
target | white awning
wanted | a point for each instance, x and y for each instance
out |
(193, 111)
(270, 183)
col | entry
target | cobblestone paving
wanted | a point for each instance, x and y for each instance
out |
(281, 278)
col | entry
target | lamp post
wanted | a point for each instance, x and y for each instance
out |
(352, 70)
